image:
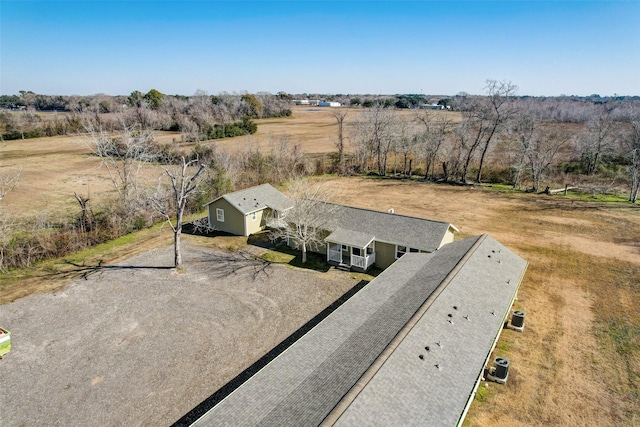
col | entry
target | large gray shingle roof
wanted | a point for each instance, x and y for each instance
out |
(303, 384)
(434, 390)
(257, 198)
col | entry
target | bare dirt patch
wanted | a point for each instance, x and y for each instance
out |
(139, 344)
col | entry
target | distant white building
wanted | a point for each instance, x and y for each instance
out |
(329, 104)
(432, 107)
(306, 101)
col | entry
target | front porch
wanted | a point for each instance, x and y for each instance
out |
(352, 250)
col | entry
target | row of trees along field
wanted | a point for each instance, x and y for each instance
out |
(496, 137)
(198, 117)
(500, 138)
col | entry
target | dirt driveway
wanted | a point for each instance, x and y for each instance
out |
(139, 344)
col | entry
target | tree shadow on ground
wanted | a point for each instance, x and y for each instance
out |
(82, 271)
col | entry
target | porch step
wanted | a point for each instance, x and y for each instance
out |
(343, 267)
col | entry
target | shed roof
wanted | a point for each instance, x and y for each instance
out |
(419, 233)
(351, 238)
(304, 384)
(257, 198)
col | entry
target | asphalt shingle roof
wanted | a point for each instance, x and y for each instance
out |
(459, 328)
(303, 384)
(404, 230)
(349, 237)
(257, 198)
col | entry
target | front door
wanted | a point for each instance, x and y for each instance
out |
(346, 255)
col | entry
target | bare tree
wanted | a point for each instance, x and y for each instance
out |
(542, 152)
(9, 176)
(633, 147)
(287, 160)
(487, 115)
(598, 140)
(519, 139)
(435, 130)
(375, 132)
(170, 201)
(304, 225)
(124, 157)
(340, 114)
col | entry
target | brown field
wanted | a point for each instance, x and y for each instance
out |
(56, 167)
(577, 361)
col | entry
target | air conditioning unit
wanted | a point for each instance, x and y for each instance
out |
(500, 371)
(517, 321)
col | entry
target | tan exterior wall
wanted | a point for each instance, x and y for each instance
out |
(385, 254)
(254, 226)
(234, 220)
(448, 237)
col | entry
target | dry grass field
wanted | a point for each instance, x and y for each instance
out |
(56, 167)
(577, 361)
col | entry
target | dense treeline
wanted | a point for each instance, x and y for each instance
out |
(198, 117)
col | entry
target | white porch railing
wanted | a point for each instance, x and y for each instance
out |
(363, 262)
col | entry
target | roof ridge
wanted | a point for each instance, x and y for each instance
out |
(383, 212)
(357, 388)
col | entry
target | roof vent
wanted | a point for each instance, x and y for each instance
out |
(500, 371)
(517, 321)
(391, 210)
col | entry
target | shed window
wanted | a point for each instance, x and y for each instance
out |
(253, 216)
(220, 214)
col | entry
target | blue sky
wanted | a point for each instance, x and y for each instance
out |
(376, 47)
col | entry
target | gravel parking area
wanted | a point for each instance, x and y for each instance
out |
(140, 344)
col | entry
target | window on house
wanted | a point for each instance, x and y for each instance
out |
(253, 216)
(356, 251)
(400, 250)
(220, 214)
(370, 248)
(414, 250)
